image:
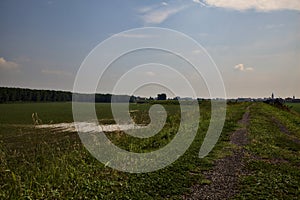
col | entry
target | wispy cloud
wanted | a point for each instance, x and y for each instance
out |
(260, 5)
(149, 73)
(199, 2)
(164, 3)
(149, 8)
(8, 65)
(157, 14)
(146, 9)
(56, 72)
(241, 67)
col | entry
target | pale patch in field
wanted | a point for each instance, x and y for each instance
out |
(88, 127)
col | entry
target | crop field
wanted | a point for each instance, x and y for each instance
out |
(47, 163)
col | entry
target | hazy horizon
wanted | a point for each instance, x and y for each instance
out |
(155, 95)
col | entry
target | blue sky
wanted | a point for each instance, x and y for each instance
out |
(255, 44)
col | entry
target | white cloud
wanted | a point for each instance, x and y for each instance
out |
(158, 14)
(146, 9)
(56, 72)
(149, 73)
(260, 5)
(8, 65)
(241, 67)
(199, 2)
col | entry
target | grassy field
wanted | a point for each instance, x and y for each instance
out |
(46, 164)
(294, 106)
(273, 155)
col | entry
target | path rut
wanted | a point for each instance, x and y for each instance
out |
(226, 171)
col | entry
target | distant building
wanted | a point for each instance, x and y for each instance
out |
(260, 99)
(288, 100)
(162, 96)
(176, 98)
(186, 99)
(292, 100)
(140, 100)
(244, 100)
(296, 100)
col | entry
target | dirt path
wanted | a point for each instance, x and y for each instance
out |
(226, 172)
(284, 130)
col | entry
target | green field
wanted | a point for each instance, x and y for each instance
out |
(48, 164)
(294, 106)
(274, 158)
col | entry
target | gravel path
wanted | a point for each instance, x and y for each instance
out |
(226, 171)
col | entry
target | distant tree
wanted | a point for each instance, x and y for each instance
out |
(162, 96)
(29, 95)
(132, 99)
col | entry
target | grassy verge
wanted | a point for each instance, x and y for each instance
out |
(274, 155)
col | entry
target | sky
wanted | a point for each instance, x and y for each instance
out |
(255, 44)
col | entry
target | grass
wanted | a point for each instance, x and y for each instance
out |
(20, 113)
(274, 155)
(294, 106)
(45, 164)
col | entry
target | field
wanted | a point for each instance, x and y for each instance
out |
(294, 106)
(50, 164)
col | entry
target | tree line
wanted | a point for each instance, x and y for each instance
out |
(33, 95)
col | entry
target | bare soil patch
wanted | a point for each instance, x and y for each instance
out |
(226, 171)
(284, 130)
